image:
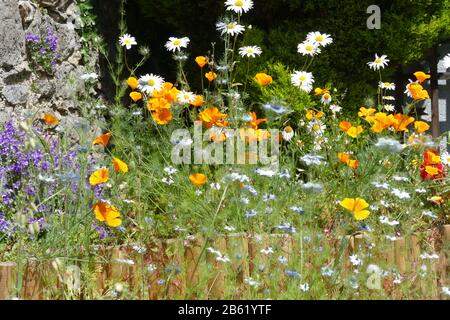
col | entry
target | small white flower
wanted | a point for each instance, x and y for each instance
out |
(239, 6)
(400, 179)
(355, 260)
(125, 261)
(268, 197)
(429, 214)
(312, 159)
(127, 41)
(379, 62)
(335, 108)
(303, 80)
(318, 38)
(283, 260)
(316, 127)
(215, 186)
(250, 51)
(175, 44)
(168, 180)
(265, 172)
(446, 290)
(385, 220)
(287, 134)
(427, 256)
(308, 48)
(231, 28)
(387, 86)
(389, 107)
(381, 185)
(229, 228)
(170, 170)
(150, 83)
(89, 76)
(400, 194)
(388, 144)
(304, 287)
(391, 238)
(186, 97)
(267, 250)
(421, 190)
(251, 282)
(297, 209)
(326, 98)
(327, 271)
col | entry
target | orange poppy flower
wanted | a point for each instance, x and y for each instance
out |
(162, 116)
(320, 91)
(211, 76)
(421, 126)
(212, 116)
(98, 177)
(345, 125)
(417, 91)
(102, 139)
(263, 79)
(201, 61)
(401, 122)
(255, 122)
(50, 119)
(198, 179)
(198, 102)
(107, 213)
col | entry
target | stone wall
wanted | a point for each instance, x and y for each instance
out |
(23, 90)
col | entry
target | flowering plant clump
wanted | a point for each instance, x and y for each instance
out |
(43, 50)
(277, 173)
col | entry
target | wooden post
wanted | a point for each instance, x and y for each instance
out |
(216, 283)
(174, 253)
(32, 284)
(435, 126)
(400, 254)
(237, 251)
(192, 252)
(7, 279)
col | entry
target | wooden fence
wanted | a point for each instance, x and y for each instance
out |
(38, 279)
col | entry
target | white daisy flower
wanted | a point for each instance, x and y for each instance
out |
(175, 44)
(308, 48)
(379, 62)
(387, 86)
(445, 158)
(335, 108)
(150, 83)
(239, 6)
(389, 107)
(326, 98)
(231, 28)
(250, 51)
(316, 127)
(287, 133)
(127, 41)
(304, 287)
(186, 97)
(303, 80)
(318, 38)
(355, 260)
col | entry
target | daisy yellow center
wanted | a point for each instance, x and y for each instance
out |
(239, 3)
(319, 38)
(151, 82)
(288, 129)
(302, 78)
(249, 51)
(326, 96)
(378, 61)
(316, 127)
(127, 41)
(186, 97)
(309, 48)
(177, 42)
(231, 26)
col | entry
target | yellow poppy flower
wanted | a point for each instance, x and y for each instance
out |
(421, 126)
(120, 166)
(198, 102)
(421, 76)
(432, 171)
(99, 176)
(135, 96)
(133, 83)
(366, 112)
(354, 132)
(107, 213)
(357, 207)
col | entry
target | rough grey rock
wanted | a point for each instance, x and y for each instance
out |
(23, 90)
(16, 94)
(12, 47)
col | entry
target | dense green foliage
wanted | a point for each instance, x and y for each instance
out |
(408, 30)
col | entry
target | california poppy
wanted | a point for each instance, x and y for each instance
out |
(136, 96)
(255, 122)
(263, 79)
(107, 213)
(357, 207)
(133, 83)
(421, 126)
(98, 177)
(102, 139)
(421, 76)
(198, 179)
(50, 119)
(211, 76)
(119, 165)
(201, 61)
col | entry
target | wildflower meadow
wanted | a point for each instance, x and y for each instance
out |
(234, 179)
